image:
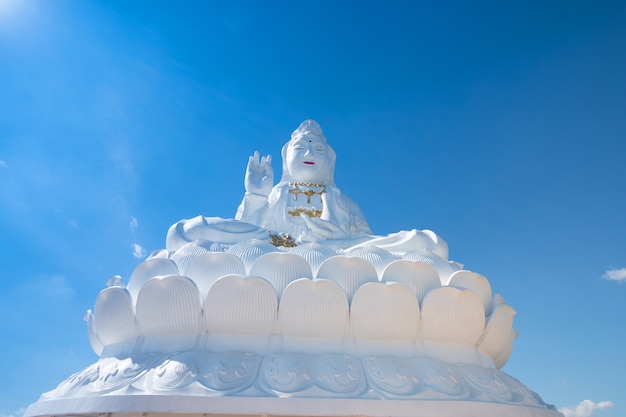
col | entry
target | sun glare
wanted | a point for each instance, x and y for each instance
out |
(8, 8)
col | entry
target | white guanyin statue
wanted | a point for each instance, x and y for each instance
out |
(305, 206)
(294, 308)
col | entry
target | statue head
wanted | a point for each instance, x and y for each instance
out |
(307, 157)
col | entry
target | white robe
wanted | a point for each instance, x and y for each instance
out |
(258, 217)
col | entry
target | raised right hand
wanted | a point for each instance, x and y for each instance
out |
(259, 175)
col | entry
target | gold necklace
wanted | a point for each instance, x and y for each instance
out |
(309, 192)
(295, 190)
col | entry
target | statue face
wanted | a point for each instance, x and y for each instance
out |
(308, 159)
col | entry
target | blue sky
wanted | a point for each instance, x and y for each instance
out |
(499, 125)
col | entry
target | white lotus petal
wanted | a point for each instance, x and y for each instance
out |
(114, 316)
(475, 282)
(505, 353)
(349, 272)
(251, 250)
(420, 277)
(496, 301)
(279, 269)
(149, 269)
(95, 343)
(187, 253)
(313, 308)
(420, 256)
(443, 267)
(453, 316)
(115, 281)
(169, 306)
(159, 253)
(238, 305)
(497, 335)
(207, 268)
(314, 253)
(385, 311)
(378, 257)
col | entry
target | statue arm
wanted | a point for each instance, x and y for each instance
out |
(252, 208)
(258, 182)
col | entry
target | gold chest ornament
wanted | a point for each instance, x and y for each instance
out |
(307, 189)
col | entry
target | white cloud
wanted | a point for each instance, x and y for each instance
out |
(133, 225)
(3, 164)
(138, 251)
(586, 408)
(59, 287)
(615, 275)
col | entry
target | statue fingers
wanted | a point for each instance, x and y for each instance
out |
(309, 222)
(315, 230)
(316, 225)
(265, 167)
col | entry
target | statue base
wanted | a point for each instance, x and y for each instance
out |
(170, 405)
(288, 384)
